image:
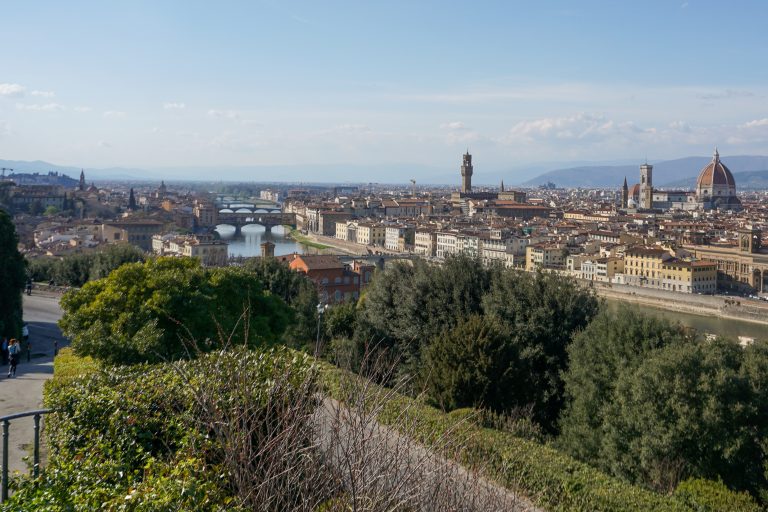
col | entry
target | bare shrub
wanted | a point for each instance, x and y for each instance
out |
(285, 445)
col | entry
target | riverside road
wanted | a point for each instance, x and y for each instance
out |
(25, 391)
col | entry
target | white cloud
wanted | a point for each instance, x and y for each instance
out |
(352, 128)
(224, 114)
(47, 107)
(5, 128)
(726, 94)
(104, 144)
(680, 126)
(82, 109)
(576, 127)
(12, 90)
(174, 106)
(43, 94)
(453, 125)
(757, 123)
(114, 114)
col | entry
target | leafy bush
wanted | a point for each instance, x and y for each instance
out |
(151, 311)
(708, 496)
(139, 438)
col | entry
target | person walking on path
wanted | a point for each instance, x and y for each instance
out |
(14, 351)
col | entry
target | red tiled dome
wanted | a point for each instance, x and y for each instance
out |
(715, 173)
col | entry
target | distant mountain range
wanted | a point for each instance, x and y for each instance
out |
(751, 180)
(667, 173)
(749, 172)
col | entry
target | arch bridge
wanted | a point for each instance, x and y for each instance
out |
(267, 218)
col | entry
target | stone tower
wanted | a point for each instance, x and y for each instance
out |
(81, 186)
(749, 240)
(646, 186)
(625, 194)
(466, 173)
(267, 249)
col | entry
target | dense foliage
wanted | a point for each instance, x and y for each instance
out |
(530, 320)
(654, 404)
(689, 410)
(12, 278)
(167, 308)
(297, 291)
(78, 269)
(611, 345)
(138, 438)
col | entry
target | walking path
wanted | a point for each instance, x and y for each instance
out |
(25, 391)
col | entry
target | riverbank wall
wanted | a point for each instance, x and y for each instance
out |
(735, 308)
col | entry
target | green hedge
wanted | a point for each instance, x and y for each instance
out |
(551, 479)
(128, 438)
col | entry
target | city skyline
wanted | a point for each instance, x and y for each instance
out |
(258, 84)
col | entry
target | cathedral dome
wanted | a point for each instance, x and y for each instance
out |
(715, 175)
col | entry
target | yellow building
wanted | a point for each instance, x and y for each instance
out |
(369, 233)
(653, 267)
(545, 256)
(643, 266)
(689, 276)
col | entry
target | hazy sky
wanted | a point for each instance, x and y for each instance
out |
(174, 83)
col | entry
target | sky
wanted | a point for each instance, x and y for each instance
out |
(151, 84)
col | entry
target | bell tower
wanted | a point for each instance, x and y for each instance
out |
(749, 240)
(466, 173)
(646, 186)
(625, 194)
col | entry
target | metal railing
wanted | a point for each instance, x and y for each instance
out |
(6, 423)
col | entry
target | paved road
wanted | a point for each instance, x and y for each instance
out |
(25, 391)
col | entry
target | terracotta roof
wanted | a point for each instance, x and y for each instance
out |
(320, 262)
(715, 173)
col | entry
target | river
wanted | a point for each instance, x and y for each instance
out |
(249, 242)
(709, 324)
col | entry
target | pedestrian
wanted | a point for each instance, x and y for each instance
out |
(4, 348)
(14, 350)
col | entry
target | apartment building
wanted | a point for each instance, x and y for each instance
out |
(369, 233)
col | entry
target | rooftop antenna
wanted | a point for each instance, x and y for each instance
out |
(413, 187)
(3, 169)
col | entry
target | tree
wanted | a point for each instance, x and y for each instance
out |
(686, 410)
(409, 304)
(113, 256)
(13, 276)
(298, 291)
(475, 364)
(541, 312)
(50, 211)
(612, 344)
(152, 311)
(35, 207)
(340, 320)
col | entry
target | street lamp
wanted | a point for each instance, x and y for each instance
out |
(320, 310)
